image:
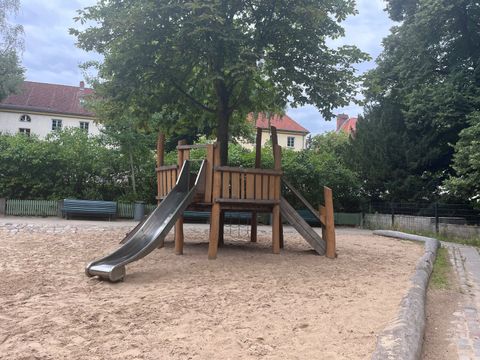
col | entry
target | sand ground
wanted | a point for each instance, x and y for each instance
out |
(247, 304)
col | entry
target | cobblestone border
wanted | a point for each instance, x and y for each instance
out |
(403, 337)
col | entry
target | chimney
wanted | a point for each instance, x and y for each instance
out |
(340, 120)
(82, 85)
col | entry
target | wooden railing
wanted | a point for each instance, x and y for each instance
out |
(166, 179)
(248, 184)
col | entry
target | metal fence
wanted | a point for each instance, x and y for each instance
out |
(31, 207)
(14, 207)
(454, 220)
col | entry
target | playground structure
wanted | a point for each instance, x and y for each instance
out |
(217, 189)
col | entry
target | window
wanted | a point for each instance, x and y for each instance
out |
(24, 131)
(84, 125)
(56, 124)
(291, 141)
(25, 118)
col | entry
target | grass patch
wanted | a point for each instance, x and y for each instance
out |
(441, 271)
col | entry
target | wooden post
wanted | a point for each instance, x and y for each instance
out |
(258, 165)
(277, 228)
(160, 149)
(274, 139)
(209, 174)
(216, 210)
(330, 223)
(160, 161)
(179, 237)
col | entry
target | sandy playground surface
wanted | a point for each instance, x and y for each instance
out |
(248, 304)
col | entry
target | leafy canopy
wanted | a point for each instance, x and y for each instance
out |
(212, 62)
(11, 42)
(419, 98)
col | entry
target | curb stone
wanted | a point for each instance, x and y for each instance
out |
(403, 337)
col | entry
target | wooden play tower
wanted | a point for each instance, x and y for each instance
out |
(254, 190)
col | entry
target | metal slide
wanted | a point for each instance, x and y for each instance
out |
(151, 234)
(307, 232)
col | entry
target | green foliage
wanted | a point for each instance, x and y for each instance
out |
(419, 98)
(465, 184)
(70, 164)
(11, 72)
(204, 65)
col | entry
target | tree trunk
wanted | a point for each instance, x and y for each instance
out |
(132, 169)
(222, 136)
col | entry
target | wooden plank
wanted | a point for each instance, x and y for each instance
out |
(186, 154)
(209, 174)
(168, 182)
(330, 223)
(301, 198)
(242, 186)
(164, 184)
(226, 185)
(235, 186)
(174, 177)
(159, 184)
(168, 167)
(246, 201)
(258, 186)
(250, 186)
(271, 187)
(265, 182)
(250, 170)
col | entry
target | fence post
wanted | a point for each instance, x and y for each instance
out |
(3, 205)
(392, 205)
(437, 220)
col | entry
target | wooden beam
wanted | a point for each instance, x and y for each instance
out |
(258, 149)
(179, 236)
(160, 149)
(215, 217)
(249, 170)
(330, 224)
(277, 226)
(209, 174)
(258, 164)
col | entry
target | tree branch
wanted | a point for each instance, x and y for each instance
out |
(191, 98)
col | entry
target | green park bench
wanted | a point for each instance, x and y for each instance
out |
(89, 208)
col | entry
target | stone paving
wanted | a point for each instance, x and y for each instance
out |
(466, 262)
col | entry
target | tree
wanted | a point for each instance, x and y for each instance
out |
(465, 184)
(419, 98)
(11, 73)
(212, 62)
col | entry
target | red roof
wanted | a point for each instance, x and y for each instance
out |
(51, 98)
(281, 122)
(349, 126)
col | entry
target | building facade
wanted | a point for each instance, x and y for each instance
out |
(40, 108)
(291, 135)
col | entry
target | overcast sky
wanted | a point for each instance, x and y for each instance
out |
(51, 56)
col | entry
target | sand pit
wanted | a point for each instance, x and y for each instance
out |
(248, 304)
